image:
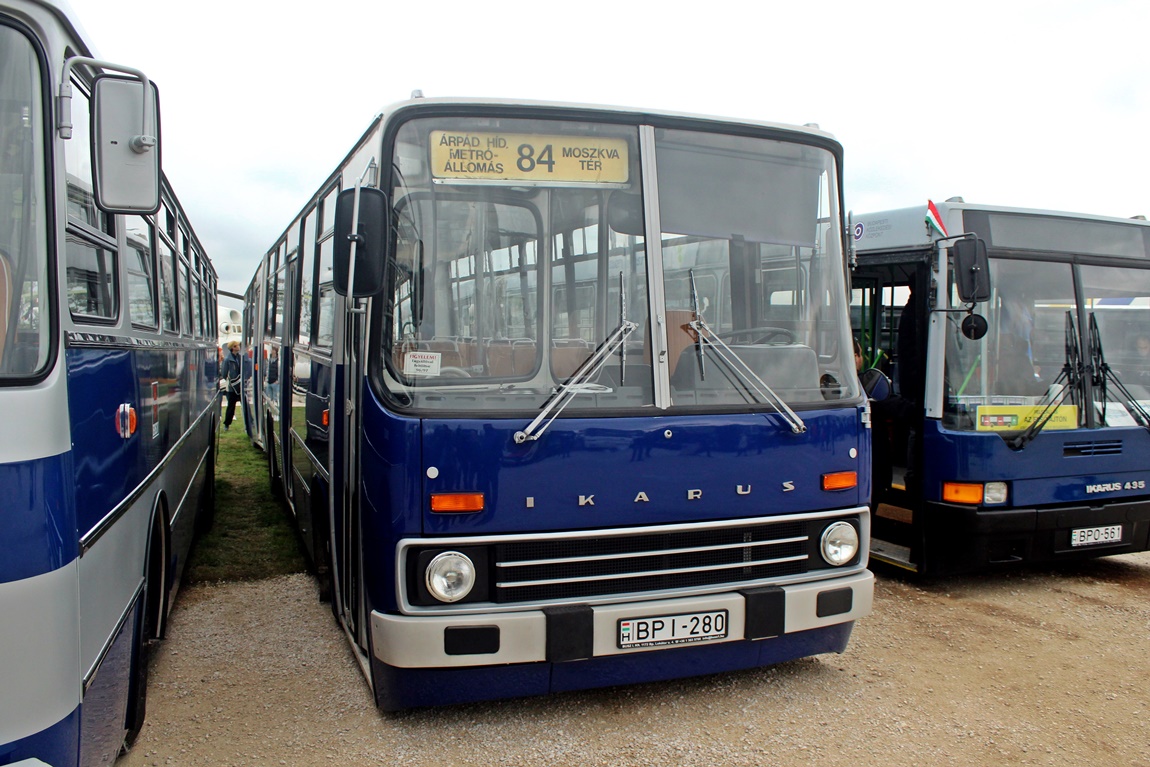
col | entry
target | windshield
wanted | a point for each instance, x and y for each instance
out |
(521, 249)
(1001, 382)
(24, 331)
(1119, 301)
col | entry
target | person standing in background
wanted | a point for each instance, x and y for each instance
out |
(230, 382)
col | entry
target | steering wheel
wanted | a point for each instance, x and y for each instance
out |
(760, 335)
(453, 372)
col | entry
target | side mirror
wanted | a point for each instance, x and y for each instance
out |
(974, 326)
(370, 237)
(971, 270)
(125, 145)
(875, 384)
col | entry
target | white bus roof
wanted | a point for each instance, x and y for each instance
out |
(904, 228)
(423, 102)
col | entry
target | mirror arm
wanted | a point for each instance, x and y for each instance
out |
(354, 237)
(140, 143)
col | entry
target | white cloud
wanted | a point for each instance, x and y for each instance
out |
(1031, 104)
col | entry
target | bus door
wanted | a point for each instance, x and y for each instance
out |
(889, 316)
(346, 562)
(290, 399)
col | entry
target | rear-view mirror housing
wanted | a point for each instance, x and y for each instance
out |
(370, 238)
(125, 145)
(971, 270)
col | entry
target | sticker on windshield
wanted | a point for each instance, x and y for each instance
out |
(421, 363)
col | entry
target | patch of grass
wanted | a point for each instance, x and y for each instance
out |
(253, 536)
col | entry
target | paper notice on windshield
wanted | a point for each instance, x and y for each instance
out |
(1018, 417)
(421, 363)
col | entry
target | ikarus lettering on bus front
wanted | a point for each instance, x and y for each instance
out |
(1113, 487)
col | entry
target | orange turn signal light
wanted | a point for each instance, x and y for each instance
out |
(840, 480)
(962, 492)
(457, 503)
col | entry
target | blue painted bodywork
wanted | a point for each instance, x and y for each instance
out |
(56, 745)
(39, 517)
(612, 459)
(1042, 473)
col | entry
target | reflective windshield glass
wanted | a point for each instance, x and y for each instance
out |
(1119, 301)
(514, 260)
(992, 383)
(24, 319)
(748, 244)
(520, 264)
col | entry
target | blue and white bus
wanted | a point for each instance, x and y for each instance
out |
(1019, 431)
(589, 415)
(107, 384)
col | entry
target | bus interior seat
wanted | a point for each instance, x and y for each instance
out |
(567, 355)
(789, 369)
(510, 357)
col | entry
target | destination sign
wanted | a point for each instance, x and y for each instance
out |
(523, 158)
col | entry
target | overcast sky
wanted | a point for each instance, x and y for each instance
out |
(1028, 104)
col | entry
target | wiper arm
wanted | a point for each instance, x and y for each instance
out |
(576, 384)
(1103, 374)
(1069, 383)
(698, 316)
(746, 375)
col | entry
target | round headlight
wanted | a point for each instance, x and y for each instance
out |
(450, 576)
(840, 543)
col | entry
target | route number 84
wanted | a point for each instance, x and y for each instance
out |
(527, 159)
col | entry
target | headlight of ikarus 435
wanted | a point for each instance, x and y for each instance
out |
(450, 576)
(840, 543)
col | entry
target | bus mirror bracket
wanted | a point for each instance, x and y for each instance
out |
(125, 135)
(364, 226)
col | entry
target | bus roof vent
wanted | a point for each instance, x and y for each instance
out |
(1139, 217)
(417, 94)
(955, 199)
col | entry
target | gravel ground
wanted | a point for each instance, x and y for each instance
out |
(1032, 667)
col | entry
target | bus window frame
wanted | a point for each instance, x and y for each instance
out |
(48, 289)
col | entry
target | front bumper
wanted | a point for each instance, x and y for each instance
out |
(577, 632)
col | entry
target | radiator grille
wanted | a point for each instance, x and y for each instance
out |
(1089, 448)
(573, 568)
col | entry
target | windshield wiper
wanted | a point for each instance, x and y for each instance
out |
(748, 377)
(1068, 383)
(578, 382)
(1102, 374)
(698, 316)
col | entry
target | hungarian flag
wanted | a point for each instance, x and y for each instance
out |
(934, 220)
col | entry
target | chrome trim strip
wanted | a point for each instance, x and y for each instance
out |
(652, 573)
(653, 241)
(650, 553)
